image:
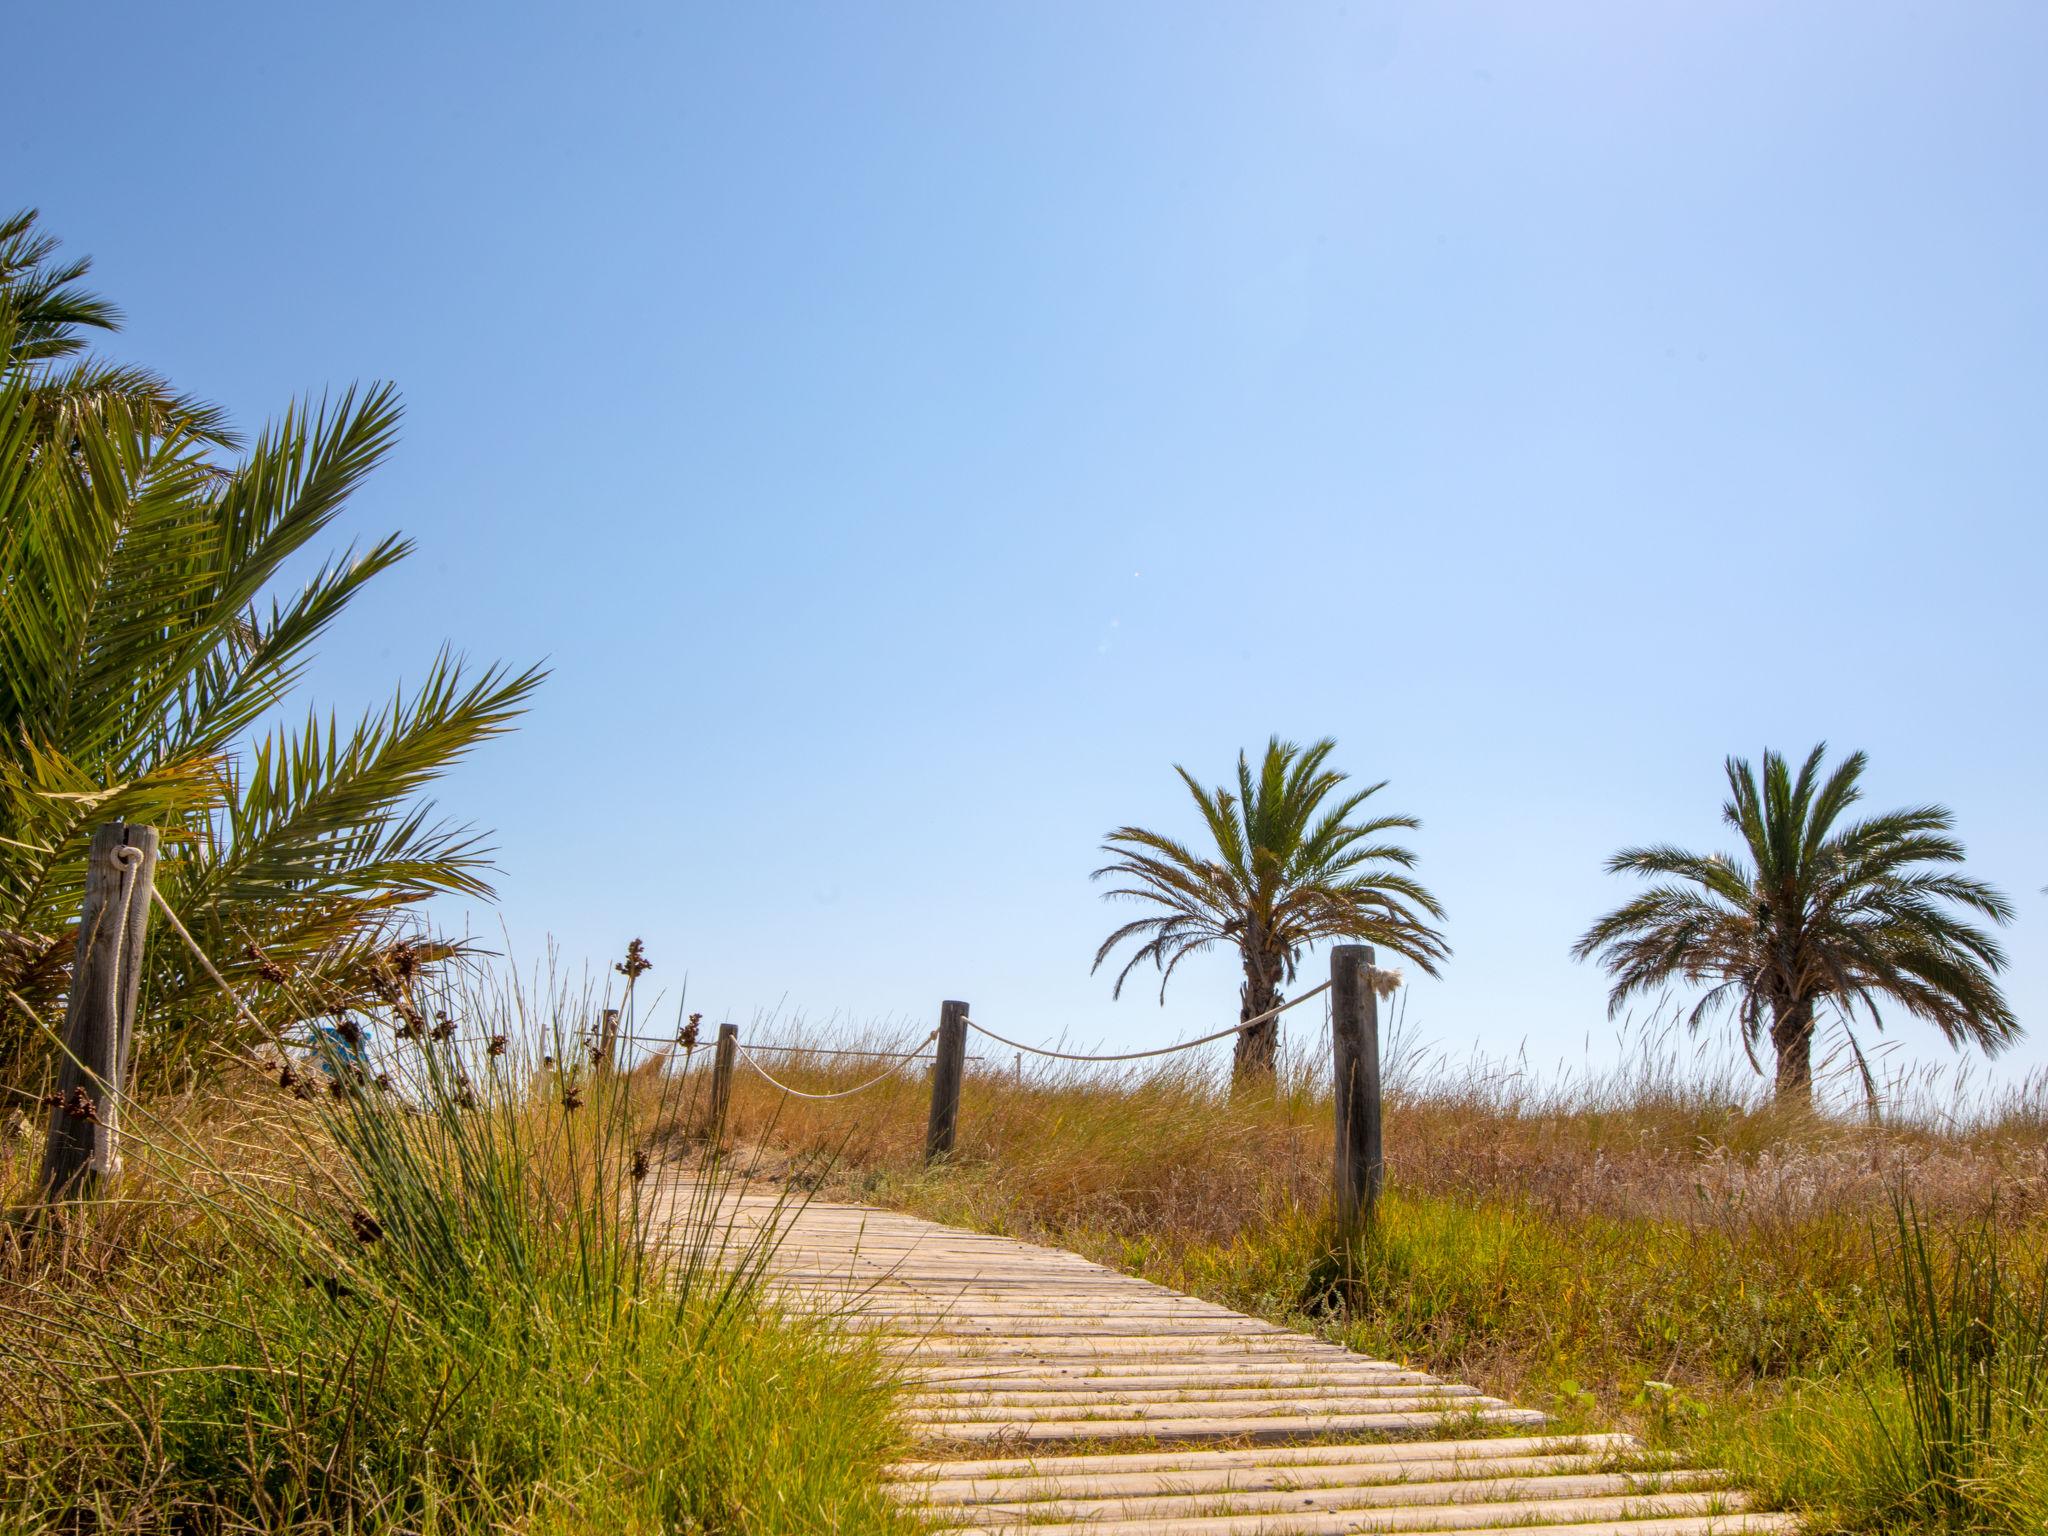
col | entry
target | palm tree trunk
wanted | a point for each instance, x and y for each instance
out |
(1258, 1047)
(1792, 1035)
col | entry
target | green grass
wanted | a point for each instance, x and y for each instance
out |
(436, 1308)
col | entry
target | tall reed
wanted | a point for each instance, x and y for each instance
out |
(447, 1283)
(1969, 1339)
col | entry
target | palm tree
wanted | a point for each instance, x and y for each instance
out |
(1287, 871)
(144, 659)
(1815, 916)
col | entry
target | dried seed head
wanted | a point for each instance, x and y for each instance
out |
(686, 1037)
(287, 1075)
(636, 964)
(411, 1022)
(266, 967)
(82, 1106)
(641, 1163)
(572, 1097)
(498, 1045)
(384, 1082)
(444, 1027)
(348, 1029)
(366, 1227)
(406, 961)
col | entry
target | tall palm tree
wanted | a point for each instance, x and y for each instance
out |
(1290, 867)
(1812, 916)
(144, 657)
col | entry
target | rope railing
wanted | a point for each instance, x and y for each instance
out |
(1164, 1050)
(820, 1050)
(897, 1060)
(1354, 988)
(788, 1050)
(915, 1053)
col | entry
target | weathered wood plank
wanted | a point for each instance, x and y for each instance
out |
(1626, 1513)
(1237, 1479)
(1370, 1454)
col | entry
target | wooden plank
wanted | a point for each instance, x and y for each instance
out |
(1295, 1456)
(1031, 1376)
(1266, 1401)
(1733, 1523)
(1617, 1513)
(1193, 1391)
(1217, 1426)
(1241, 1479)
(1543, 1491)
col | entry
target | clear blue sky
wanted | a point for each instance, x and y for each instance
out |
(908, 429)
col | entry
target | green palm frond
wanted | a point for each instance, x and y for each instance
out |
(144, 643)
(44, 294)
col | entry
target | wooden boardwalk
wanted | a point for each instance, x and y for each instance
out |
(1051, 1395)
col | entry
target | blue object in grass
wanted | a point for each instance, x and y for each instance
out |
(333, 1048)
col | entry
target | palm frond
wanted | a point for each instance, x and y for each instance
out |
(144, 643)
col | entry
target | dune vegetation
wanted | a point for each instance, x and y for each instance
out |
(1846, 1313)
(447, 1290)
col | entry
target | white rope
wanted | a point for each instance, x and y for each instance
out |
(845, 1093)
(1164, 1050)
(130, 861)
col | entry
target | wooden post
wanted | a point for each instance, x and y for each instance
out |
(722, 1064)
(1355, 1068)
(608, 1040)
(84, 1145)
(949, 1065)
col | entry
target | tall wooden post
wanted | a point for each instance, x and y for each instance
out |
(1355, 1068)
(723, 1063)
(608, 1040)
(949, 1065)
(84, 1145)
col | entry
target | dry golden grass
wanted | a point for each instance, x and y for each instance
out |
(418, 1310)
(1564, 1244)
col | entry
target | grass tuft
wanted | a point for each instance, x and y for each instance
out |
(466, 1298)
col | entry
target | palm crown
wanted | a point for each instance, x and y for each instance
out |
(142, 664)
(1816, 915)
(1290, 867)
